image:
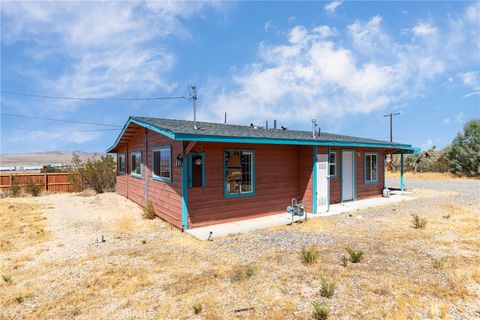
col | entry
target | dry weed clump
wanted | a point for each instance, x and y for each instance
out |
(149, 211)
(309, 255)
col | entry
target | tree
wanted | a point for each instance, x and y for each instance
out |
(464, 153)
(98, 173)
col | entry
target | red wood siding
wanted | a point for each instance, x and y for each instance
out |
(166, 197)
(276, 183)
(305, 177)
(363, 190)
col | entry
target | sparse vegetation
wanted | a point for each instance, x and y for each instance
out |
(149, 211)
(242, 273)
(6, 278)
(197, 308)
(99, 174)
(14, 187)
(320, 310)
(32, 187)
(328, 288)
(418, 222)
(439, 263)
(355, 255)
(464, 152)
(344, 261)
(309, 255)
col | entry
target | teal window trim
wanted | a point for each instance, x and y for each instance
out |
(137, 153)
(154, 176)
(121, 155)
(334, 176)
(371, 181)
(243, 194)
(190, 165)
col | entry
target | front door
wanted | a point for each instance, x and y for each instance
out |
(348, 175)
(322, 182)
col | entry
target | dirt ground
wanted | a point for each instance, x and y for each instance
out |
(70, 256)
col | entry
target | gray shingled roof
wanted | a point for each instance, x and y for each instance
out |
(238, 131)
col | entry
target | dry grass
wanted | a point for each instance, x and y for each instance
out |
(424, 175)
(171, 272)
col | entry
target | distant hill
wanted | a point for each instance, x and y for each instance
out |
(43, 158)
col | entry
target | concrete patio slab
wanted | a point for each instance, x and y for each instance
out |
(224, 229)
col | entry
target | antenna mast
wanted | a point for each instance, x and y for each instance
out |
(193, 98)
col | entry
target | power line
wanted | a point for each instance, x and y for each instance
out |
(90, 98)
(59, 120)
(59, 130)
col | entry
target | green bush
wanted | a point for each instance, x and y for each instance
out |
(464, 152)
(33, 187)
(418, 222)
(320, 311)
(309, 255)
(328, 288)
(355, 255)
(344, 261)
(99, 174)
(14, 187)
(197, 308)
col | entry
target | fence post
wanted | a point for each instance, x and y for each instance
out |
(81, 181)
(46, 182)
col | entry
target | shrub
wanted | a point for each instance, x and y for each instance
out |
(344, 261)
(149, 211)
(309, 255)
(6, 278)
(418, 222)
(355, 255)
(242, 273)
(439, 263)
(32, 187)
(98, 173)
(197, 308)
(320, 310)
(14, 187)
(464, 152)
(328, 288)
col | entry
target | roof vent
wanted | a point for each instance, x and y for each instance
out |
(274, 124)
(314, 127)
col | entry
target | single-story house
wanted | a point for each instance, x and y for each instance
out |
(213, 172)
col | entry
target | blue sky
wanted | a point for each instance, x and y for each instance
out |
(343, 63)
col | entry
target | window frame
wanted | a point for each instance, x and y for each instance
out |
(334, 164)
(133, 174)
(119, 155)
(244, 194)
(371, 181)
(154, 176)
(190, 168)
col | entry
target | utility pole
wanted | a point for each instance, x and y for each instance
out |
(391, 123)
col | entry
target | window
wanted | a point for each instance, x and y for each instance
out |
(196, 170)
(371, 167)
(136, 164)
(162, 164)
(239, 173)
(332, 162)
(121, 165)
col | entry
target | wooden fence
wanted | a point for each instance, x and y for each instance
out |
(52, 182)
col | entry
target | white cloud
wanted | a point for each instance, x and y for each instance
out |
(428, 144)
(446, 120)
(332, 6)
(460, 118)
(268, 25)
(424, 29)
(112, 47)
(470, 79)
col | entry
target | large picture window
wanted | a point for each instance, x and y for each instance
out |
(371, 167)
(332, 164)
(121, 165)
(136, 164)
(239, 172)
(162, 164)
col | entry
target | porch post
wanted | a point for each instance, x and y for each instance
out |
(314, 182)
(402, 184)
(184, 189)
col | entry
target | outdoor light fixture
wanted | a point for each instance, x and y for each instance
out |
(179, 160)
(198, 162)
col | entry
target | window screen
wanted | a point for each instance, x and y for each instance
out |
(121, 167)
(371, 170)
(332, 164)
(136, 163)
